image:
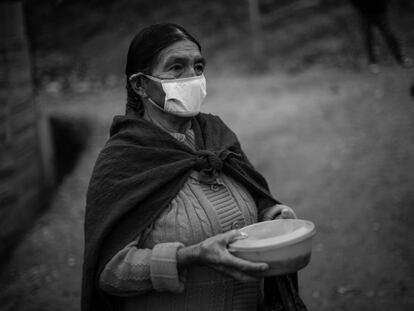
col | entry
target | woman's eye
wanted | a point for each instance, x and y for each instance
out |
(199, 69)
(176, 67)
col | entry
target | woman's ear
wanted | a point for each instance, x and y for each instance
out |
(138, 84)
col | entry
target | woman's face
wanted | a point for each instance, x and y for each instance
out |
(180, 60)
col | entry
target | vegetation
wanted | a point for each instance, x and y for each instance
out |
(82, 44)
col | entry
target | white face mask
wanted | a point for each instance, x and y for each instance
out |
(183, 97)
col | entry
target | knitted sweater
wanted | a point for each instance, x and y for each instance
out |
(147, 274)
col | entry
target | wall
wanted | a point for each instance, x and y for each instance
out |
(25, 152)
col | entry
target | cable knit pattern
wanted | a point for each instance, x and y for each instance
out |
(149, 276)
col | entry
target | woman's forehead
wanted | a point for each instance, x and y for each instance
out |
(180, 49)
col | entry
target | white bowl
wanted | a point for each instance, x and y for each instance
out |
(285, 244)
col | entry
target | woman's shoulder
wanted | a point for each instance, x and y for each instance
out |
(208, 116)
(215, 129)
(211, 119)
(123, 122)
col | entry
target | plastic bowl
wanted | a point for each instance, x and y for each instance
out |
(285, 244)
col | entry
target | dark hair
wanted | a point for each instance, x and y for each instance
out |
(143, 53)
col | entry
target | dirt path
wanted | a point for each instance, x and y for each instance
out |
(338, 147)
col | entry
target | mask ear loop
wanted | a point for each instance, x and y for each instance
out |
(135, 75)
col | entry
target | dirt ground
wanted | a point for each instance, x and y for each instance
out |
(336, 146)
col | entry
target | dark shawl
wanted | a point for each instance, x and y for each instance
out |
(137, 174)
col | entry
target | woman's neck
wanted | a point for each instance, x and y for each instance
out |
(167, 122)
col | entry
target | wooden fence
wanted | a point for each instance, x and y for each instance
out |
(25, 166)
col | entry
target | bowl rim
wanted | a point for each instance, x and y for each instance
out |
(267, 244)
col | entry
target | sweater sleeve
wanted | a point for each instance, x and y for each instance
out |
(134, 271)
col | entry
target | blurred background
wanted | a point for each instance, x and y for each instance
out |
(333, 135)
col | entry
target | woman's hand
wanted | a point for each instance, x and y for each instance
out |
(278, 211)
(213, 252)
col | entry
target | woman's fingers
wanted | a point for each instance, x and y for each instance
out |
(214, 252)
(214, 249)
(230, 260)
(278, 211)
(271, 212)
(288, 213)
(233, 235)
(234, 273)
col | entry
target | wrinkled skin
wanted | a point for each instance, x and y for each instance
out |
(213, 251)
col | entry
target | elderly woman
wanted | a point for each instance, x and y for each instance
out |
(169, 192)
